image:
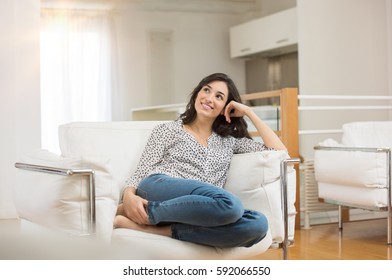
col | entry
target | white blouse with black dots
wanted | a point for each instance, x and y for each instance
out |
(171, 150)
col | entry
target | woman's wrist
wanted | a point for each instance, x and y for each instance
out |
(251, 114)
(130, 190)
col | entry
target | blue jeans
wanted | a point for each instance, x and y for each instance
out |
(201, 213)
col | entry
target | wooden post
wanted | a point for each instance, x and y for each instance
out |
(289, 136)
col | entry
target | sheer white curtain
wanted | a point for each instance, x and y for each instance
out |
(76, 69)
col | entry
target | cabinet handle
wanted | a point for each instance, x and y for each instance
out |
(245, 50)
(282, 41)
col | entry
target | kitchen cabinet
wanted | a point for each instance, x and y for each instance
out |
(270, 35)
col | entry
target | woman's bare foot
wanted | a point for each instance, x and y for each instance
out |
(120, 210)
(121, 221)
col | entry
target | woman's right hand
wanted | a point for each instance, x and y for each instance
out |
(135, 207)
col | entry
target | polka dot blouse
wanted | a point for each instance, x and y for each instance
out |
(171, 150)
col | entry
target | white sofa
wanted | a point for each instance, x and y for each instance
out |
(106, 153)
(357, 172)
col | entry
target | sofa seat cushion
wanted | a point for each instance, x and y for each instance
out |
(131, 244)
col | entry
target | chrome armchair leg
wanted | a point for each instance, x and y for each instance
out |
(340, 217)
(285, 210)
(389, 232)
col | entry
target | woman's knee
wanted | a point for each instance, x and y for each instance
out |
(231, 208)
(255, 228)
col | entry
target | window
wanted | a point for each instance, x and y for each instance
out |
(76, 69)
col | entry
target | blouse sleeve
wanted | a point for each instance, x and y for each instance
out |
(246, 145)
(151, 156)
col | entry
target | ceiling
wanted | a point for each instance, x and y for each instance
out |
(226, 6)
(260, 7)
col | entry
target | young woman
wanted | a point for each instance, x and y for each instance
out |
(177, 188)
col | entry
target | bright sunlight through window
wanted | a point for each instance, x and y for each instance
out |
(76, 67)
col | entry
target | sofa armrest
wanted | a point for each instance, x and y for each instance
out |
(74, 195)
(355, 166)
(90, 173)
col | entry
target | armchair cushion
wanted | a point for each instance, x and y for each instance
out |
(61, 202)
(354, 168)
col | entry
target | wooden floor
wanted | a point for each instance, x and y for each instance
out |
(363, 240)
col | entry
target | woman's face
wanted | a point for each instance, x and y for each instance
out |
(211, 99)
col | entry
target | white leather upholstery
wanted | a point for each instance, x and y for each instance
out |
(114, 148)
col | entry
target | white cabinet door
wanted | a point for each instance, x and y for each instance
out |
(264, 34)
(279, 30)
(244, 39)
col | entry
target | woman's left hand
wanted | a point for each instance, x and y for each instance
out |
(235, 109)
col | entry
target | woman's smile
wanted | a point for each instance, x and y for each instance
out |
(206, 106)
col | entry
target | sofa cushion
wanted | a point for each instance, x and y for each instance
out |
(132, 244)
(121, 142)
(259, 168)
(254, 178)
(61, 202)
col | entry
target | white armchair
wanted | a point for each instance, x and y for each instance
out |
(357, 172)
(77, 193)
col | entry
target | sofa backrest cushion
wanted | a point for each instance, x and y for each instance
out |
(121, 142)
(370, 134)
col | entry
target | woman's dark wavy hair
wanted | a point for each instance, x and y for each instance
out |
(237, 127)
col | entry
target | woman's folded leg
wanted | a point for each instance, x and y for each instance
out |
(247, 231)
(173, 200)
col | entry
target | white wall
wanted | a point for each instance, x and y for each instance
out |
(388, 12)
(343, 50)
(19, 89)
(200, 45)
